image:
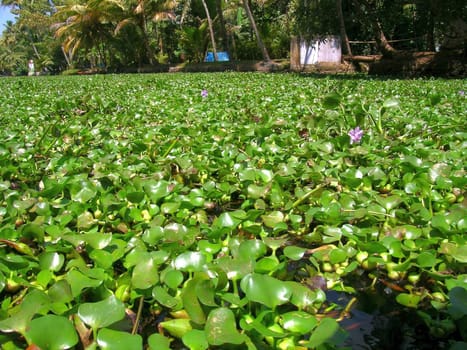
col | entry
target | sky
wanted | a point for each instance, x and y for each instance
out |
(5, 16)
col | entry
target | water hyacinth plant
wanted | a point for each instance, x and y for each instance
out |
(163, 220)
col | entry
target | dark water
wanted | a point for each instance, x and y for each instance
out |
(377, 322)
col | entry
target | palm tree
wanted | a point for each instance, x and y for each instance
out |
(251, 19)
(87, 25)
(140, 13)
(211, 30)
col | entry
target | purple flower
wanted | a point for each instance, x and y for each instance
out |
(462, 93)
(355, 135)
(204, 93)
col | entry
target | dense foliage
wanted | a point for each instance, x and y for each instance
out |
(223, 210)
(119, 35)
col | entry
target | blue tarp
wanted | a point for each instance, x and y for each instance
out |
(222, 56)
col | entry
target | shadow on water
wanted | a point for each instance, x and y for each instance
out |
(378, 322)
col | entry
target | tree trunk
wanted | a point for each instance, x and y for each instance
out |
(225, 38)
(211, 30)
(381, 41)
(344, 37)
(261, 45)
(143, 25)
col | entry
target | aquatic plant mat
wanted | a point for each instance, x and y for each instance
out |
(232, 211)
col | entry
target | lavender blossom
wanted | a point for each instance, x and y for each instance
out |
(355, 135)
(204, 93)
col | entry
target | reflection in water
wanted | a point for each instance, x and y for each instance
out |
(377, 322)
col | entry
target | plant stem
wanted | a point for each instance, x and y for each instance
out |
(306, 195)
(172, 145)
(346, 311)
(138, 315)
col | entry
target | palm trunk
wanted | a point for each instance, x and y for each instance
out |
(261, 45)
(211, 30)
(344, 37)
(225, 38)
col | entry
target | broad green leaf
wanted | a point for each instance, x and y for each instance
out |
(34, 302)
(326, 329)
(458, 303)
(157, 189)
(331, 100)
(252, 249)
(60, 292)
(336, 256)
(102, 313)
(98, 240)
(177, 327)
(52, 261)
(408, 300)
(43, 333)
(272, 219)
(391, 103)
(266, 290)
(135, 197)
(190, 261)
(78, 281)
(221, 328)
(191, 302)
(158, 342)
(165, 299)
(266, 265)
(83, 194)
(427, 259)
(85, 220)
(298, 322)
(153, 235)
(145, 274)
(195, 340)
(109, 339)
(172, 278)
(303, 296)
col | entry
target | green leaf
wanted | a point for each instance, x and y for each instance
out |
(98, 240)
(164, 298)
(145, 273)
(33, 303)
(158, 342)
(135, 197)
(191, 302)
(408, 300)
(298, 322)
(109, 339)
(177, 327)
(78, 281)
(326, 329)
(42, 332)
(102, 313)
(52, 261)
(252, 249)
(427, 259)
(221, 328)
(172, 278)
(331, 101)
(272, 219)
(294, 252)
(195, 340)
(458, 303)
(190, 261)
(266, 290)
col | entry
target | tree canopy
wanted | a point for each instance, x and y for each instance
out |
(120, 34)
